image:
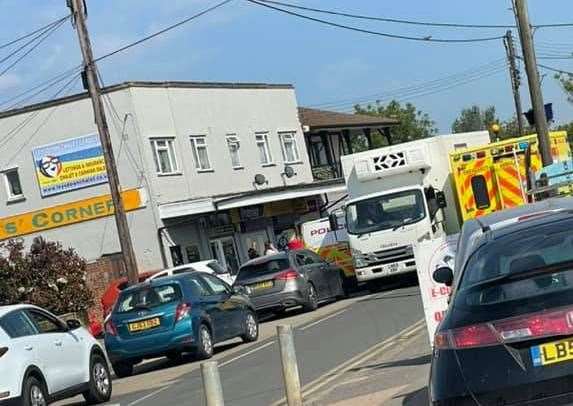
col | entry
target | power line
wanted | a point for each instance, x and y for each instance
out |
(435, 83)
(163, 31)
(385, 19)
(43, 36)
(41, 29)
(381, 34)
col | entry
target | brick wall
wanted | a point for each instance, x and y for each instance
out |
(99, 275)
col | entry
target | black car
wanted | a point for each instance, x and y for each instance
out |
(297, 278)
(507, 337)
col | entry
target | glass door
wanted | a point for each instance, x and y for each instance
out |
(224, 251)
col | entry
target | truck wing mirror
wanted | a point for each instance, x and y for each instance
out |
(333, 220)
(444, 275)
(441, 200)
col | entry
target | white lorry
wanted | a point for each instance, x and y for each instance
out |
(399, 195)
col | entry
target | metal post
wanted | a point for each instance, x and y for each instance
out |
(79, 14)
(212, 383)
(534, 83)
(290, 366)
(515, 82)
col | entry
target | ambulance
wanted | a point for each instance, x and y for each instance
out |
(494, 177)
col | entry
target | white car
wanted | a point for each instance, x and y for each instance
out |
(43, 359)
(210, 266)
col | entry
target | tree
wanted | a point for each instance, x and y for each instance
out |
(567, 84)
(414, 124)
(47, 275)
(474, 119)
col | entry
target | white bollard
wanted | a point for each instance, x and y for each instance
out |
(290, 366)
(212, 383)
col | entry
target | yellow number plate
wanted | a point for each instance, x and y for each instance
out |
(144, 325)
(263, 285)
(552, 353)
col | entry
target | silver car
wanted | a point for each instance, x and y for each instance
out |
(297, 278)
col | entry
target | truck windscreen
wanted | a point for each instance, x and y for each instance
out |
(385, 212)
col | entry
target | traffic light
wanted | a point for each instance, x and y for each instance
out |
(548, 114)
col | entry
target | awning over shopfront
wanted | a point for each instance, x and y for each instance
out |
(218, 203)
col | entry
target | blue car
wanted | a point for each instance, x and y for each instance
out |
(169, 316)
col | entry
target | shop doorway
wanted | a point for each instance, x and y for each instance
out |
(256, 240)
(225, 251)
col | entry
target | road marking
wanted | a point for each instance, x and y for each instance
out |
(135, 402)
(330, 316)
(364, 356)
(238, 357)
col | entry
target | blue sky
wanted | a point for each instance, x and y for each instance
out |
(244, 42)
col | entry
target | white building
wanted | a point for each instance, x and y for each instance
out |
(210, 170)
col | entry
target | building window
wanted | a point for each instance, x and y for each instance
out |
(13, 185)
(200, 153)
(234, 145)
(164, 156)
(290, 149)
(264, 149)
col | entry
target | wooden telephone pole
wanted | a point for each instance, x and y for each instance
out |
(79, 14)
(530, 60)
(515, 81)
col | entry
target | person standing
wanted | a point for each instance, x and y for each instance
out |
(270, 248)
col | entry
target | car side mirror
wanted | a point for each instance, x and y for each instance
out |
(444, 275)
(441, 200)
(73, 324)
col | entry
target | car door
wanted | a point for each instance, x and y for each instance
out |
(230, 306)
(330, 272)
(313, 271)
(60, 351)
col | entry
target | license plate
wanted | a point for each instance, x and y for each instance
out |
(144, 325)
(262, 285)
(552, 353)
(392, 268)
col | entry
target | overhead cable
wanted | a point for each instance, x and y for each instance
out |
(41, 29)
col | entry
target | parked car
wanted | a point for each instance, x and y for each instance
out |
(290, 279)
(113, 290)
(43, 359)
(168, 316)
(211, 266)
(507, 337)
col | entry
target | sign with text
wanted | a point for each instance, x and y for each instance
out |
(430, 255)
(66, 214)
(70, 165)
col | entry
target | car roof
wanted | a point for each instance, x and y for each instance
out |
(266, 258)
(189, 265)
(7, 309)
(557, 203)
(158, 282)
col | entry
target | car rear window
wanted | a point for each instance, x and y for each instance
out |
(263, 268)
(544, 246)
(148, 297)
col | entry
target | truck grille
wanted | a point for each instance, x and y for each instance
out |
(389, 256)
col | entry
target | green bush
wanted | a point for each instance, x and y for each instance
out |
(47, 275)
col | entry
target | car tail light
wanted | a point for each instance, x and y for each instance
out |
(110, 328)
(183, 309)
(532, 326)
(288, 275)
(3, 350)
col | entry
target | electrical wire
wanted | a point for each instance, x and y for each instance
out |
(163, 31)
(434, 84)
(41, 29)
(42, 37)
(384, 19)
(428, 38)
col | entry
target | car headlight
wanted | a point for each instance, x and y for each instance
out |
(359, 260)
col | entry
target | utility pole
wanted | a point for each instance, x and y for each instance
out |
(530, 60)
(79, 14)
(515, 81)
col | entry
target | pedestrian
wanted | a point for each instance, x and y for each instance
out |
(270, 248)
(295, 242)
(252, 253)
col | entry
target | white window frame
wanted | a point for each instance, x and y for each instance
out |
(11, 196)
(193, 139)
(292, 135)
(171, 154)
(233, 139)
(265, 142)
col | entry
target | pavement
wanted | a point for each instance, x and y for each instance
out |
(349, 352)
